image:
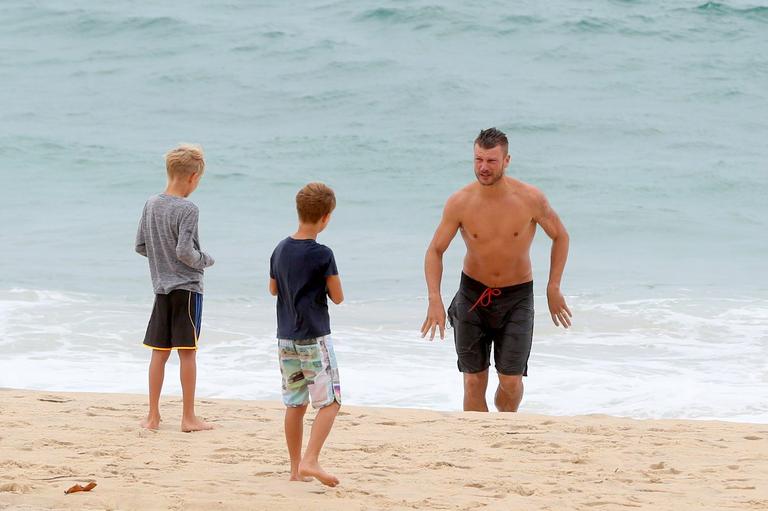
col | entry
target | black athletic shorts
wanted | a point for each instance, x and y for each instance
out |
(482, 317)
(175, 321)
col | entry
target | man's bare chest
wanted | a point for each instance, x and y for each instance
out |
(509, 220)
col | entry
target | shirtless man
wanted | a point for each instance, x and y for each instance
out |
(497, 217)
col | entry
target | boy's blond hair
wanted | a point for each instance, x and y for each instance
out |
(314, 201)
(184, 160)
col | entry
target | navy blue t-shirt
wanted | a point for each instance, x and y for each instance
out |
(300, 268)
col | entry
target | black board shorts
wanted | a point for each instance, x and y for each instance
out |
(484, 317)
(175, 321)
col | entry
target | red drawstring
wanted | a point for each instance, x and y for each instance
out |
(485, 298)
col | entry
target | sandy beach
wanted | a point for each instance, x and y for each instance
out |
(385, 458)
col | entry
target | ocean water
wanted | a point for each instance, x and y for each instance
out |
(643, 122)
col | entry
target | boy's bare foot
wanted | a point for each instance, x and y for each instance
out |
(150, 422)
(189, 425)
(313, 469)
(296, 477)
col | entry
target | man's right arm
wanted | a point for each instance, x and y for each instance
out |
(433, 267)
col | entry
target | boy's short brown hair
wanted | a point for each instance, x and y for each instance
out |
(314, 201)
(185, 159)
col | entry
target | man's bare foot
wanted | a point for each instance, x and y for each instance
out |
(313, 469)
(187, 426)
(297, 477)
(150, 422)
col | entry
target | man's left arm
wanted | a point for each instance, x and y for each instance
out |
(550, 222)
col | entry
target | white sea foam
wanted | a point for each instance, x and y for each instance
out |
(681, 357)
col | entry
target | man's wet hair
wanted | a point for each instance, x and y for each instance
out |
(491, 137)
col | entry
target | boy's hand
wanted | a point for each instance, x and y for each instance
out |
(435, 319)
(273, 287)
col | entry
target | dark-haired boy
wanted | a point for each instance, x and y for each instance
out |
(302, 274)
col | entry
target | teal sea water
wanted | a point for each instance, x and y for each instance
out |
(643, 122)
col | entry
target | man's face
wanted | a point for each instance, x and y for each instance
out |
(490, 164)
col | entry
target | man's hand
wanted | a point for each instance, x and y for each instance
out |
(561, 314)
(435, 319)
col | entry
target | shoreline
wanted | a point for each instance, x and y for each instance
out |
(386, 458)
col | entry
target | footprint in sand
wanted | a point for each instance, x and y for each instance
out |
(46, 442)
(611, 503)
(752, 437)
(227, 449)
(109, 409)
(14, 488)
(54, 399)
(15, 424)
(444, 464)
(522, 491)
(15, 464)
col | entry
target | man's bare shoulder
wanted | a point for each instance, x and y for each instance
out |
(528, 191)
(459, 198)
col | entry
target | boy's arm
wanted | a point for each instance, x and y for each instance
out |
(272, 286)
(332, 280)
(335, 293)
(141, 243)
(186, 249)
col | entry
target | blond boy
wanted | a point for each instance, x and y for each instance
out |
(167, 236)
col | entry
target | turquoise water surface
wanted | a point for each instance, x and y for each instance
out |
(643, 122)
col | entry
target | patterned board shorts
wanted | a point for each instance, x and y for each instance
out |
(309, 371)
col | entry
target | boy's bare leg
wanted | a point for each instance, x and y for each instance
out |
(294, 435)
(189, 421)
(309, 466)
(156, 377)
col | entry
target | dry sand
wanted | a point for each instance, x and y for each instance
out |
(385, 458)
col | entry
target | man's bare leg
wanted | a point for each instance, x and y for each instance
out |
(189, 421)
(156, 377)
(510, 393)
(309, 466)
(294, 435)
(475, 385)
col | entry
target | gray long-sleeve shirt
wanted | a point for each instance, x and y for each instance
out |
(168, 237)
